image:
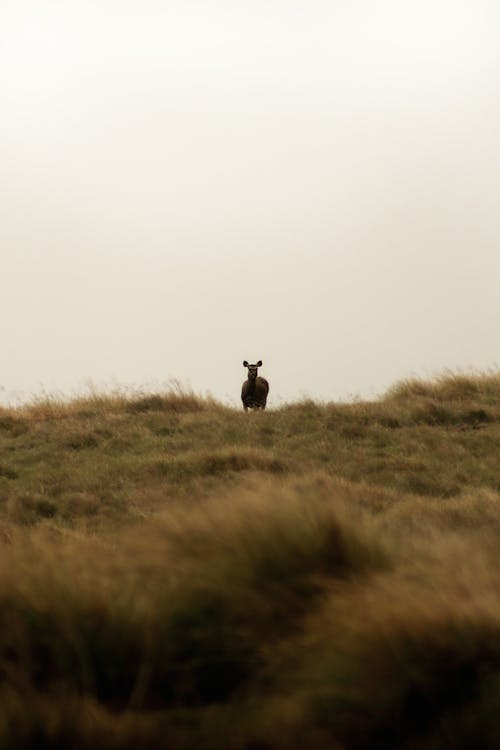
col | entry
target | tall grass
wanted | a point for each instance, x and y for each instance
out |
(174, 573)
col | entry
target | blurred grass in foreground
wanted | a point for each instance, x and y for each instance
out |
(174, 573)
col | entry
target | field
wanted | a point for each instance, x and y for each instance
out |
(177, 574)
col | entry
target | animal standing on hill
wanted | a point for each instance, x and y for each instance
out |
(255, 389)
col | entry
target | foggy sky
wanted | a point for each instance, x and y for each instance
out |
(184, 185)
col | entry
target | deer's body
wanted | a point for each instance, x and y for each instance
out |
(255, 389)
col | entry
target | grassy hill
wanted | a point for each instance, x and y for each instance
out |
(175, 573)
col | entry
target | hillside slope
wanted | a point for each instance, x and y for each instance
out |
(175, 573)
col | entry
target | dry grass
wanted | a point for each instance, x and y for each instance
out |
(177, 574)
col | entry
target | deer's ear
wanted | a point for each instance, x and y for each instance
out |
(259, 363)
(245, 363)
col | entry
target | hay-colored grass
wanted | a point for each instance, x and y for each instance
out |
(175, 573)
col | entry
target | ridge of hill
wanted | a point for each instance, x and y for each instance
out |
(175, 573)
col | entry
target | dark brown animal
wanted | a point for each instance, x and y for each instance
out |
(255, 389)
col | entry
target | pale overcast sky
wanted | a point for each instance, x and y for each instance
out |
(184, 185)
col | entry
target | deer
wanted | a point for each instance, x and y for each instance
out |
(255, 389)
